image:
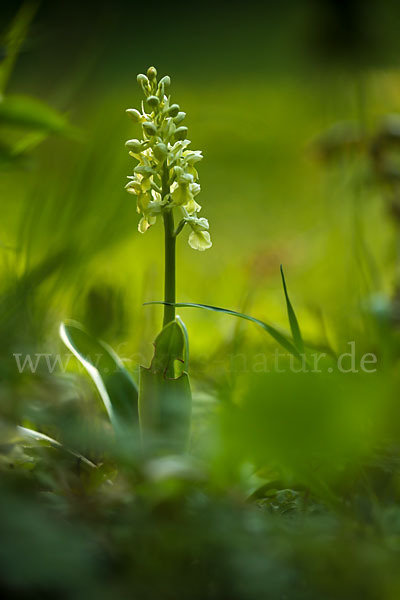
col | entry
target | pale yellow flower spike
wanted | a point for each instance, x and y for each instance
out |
(163, 144)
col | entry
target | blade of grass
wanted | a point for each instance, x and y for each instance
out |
(41, 438)
(14, 39)
(274, 333)
(294, 324)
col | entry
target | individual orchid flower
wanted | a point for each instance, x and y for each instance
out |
(199, 238)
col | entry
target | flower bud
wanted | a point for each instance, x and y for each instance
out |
(173, 110)
(134, 145)
(165, 81)
(153, 101)
(179, 117)
(151, 73)
(143, 170)
(150, 128)
(134, 114)
(180, 133)
(143, 81)
(160, 151)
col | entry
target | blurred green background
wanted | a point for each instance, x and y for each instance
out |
(291, 104)
(258, 84)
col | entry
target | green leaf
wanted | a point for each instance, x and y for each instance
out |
(14, 39)
(41, 439)
(294, 324)
(114, 383)
(165, 407)
(28, 112)
(165, 398)
(186, 347)
(11, 153)
(169, 351)
(274, 333)
(28, 142)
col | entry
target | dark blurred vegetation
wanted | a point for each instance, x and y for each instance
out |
(291, 488)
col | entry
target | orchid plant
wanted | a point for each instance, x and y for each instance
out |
(165, 180)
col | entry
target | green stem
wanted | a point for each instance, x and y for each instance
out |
(170, 246)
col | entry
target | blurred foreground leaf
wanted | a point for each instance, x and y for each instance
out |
(114, 383)
(28, 112)
(40, 439)
(14, 38)
(315, 428)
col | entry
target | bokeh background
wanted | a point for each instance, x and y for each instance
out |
(292, 488)
(259, 83)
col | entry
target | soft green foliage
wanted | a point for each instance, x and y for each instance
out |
(14, 39)
(114, 383)
(26, 112)
(20, 113)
